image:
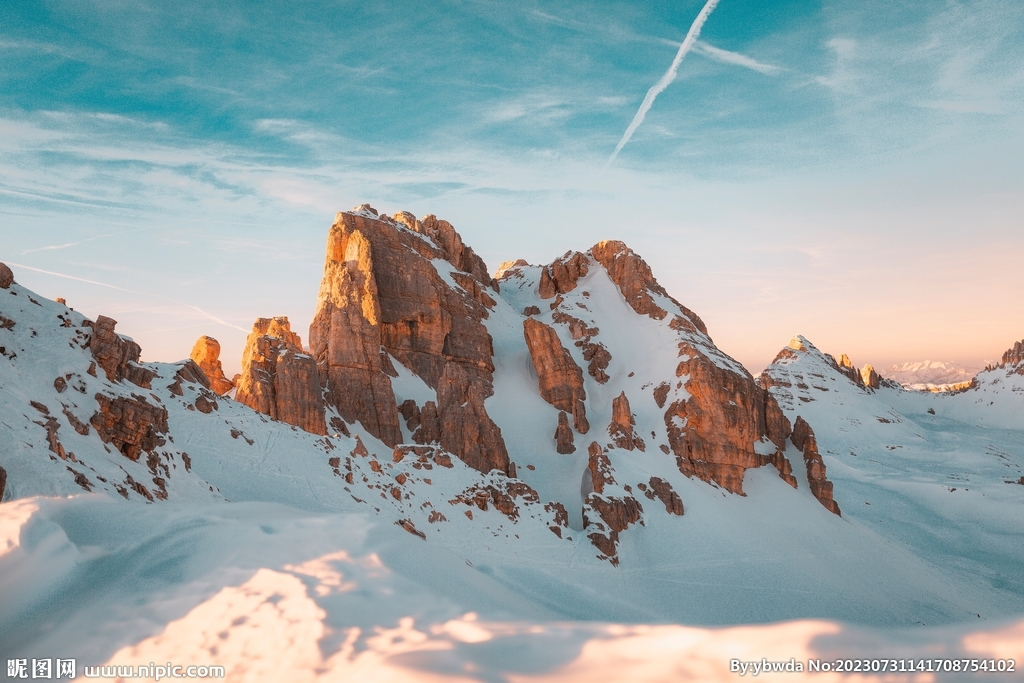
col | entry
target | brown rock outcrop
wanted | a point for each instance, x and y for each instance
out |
(615, 514)
(621, 427)
(595, 353)
(869, 377)
(713, 432)
(561, 380)
(561, 276)
(444, 236)
(1012, 361)
(381, 290)
(804, 439)
(206, 354)
(466, 429)
(132, 424)
(600, 467)
(505, 266)
(663, 491)
(636, 281)
(51, 425)
(410, 413)
(777, 425)
(845, 366)
(429, 430)
(191, 373)
(1014, 355)
(6, 280)
(501, 494)
(278, 379)
(564, 442)
(117, 355)
(345, 336)
(610, 514)
(3, 473)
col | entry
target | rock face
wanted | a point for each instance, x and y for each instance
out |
(561, 380)
(3, 472)
(206, 354)
(6, 280)
(117, 355)
(561, 276)
(663, 491)
(506, 266)
(869, 377)
(621, 427)
(563, 435)
(599, 468)
(132, 424)
(803, 438)
(713, 431)
(278, 379)
(1013, 359)
(636, 281)
(382, 297)
(845, 366)
(609, 515)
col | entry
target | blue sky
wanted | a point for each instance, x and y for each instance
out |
(846, 171)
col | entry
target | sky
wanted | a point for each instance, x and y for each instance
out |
(846, 171)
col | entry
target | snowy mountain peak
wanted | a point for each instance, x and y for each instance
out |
(931, 375)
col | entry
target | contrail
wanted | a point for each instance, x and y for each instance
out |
(670, 75)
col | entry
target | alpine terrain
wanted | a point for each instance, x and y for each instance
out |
(543, 473)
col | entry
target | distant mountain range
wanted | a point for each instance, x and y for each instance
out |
(930, 375)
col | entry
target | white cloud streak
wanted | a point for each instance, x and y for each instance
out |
(664, 81)
(201, 312)
(735, 58)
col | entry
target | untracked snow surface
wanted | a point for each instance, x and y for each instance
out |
(287, 556)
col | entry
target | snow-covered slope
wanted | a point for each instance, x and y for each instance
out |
(936, 474)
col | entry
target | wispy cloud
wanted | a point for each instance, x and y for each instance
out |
(204, 314)
(67, 245)
(670, 75)
(612, 30)
(735, 58)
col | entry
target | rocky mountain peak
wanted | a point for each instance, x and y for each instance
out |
(385, 295)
